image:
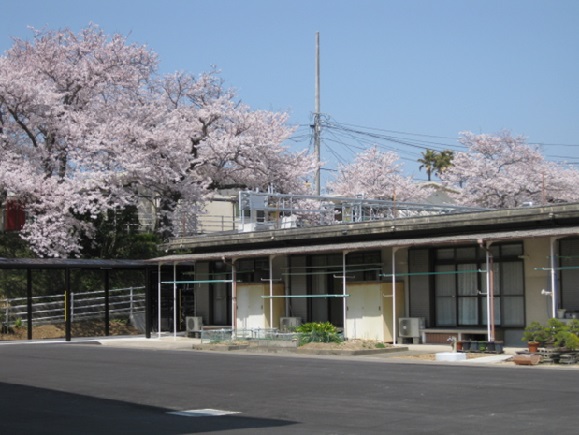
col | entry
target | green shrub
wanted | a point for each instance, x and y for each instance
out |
(555, 333)
(318, 332)
(534, 332)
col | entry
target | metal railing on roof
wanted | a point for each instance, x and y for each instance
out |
(266, 211)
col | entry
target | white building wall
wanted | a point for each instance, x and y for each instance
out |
(537, 305)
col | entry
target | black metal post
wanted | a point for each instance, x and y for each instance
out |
(148, 302)
(67, 307)
(107, 301)
(29, 302)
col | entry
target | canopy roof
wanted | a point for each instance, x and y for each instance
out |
(377, 244)
(70, 263)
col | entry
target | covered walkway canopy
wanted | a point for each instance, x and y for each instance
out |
(67, 265)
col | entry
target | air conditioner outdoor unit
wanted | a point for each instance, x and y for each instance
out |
(286, 324)
(410, 327)
(194, 325)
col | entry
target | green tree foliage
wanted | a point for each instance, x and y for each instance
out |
(435, 162)
(428, 162)
(117, 235)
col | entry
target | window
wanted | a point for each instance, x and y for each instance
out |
(460, 287)
(253, 270)
(568, 262)
(363, 266)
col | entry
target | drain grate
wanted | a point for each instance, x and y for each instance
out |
(202, 413)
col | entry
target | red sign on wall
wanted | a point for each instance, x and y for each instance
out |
(15, 215)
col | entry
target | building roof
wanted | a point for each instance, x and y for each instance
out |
(451, 225)
(70, 263)
(475, 237)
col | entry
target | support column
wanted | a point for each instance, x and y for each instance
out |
(553, 266)
(159, 303)
(107, 285)
(29, 302)
(67, 308)
(344, 293)
(394, 319)
(148, 303)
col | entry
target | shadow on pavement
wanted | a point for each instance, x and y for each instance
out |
(32, 410)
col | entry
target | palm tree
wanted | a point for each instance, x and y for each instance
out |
(443, 161)
(428, 162)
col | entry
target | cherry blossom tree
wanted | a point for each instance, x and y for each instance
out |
(378, 175)
(503, 171)
(86, 122)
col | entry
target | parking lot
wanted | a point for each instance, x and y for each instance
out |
(77, 388)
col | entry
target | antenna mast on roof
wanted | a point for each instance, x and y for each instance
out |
(317, 126)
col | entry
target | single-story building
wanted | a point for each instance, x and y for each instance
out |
(426, 278)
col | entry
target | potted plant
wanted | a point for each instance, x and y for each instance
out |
(534, 334)
(555, 332)
(566, 335)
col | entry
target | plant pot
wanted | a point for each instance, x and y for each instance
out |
(527, 360)
(533, 346)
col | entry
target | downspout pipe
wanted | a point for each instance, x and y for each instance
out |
(271, 291)
(233, 297)
(490, 284)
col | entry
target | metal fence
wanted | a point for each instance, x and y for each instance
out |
(225, 335)
(123, 302)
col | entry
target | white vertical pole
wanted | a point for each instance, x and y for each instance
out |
(488, 281)
(233, 297)
(491, 292)
(553, 284)
(317, 118)
(72, 306)
(159, 303)
(394, 319)
(271, 292)
(174, 300)
(344, 293)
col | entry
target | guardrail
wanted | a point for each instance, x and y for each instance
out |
(83, 305)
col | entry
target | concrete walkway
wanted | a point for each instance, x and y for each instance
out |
(170, 342)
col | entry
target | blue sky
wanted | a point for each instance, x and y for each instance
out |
(404, 75)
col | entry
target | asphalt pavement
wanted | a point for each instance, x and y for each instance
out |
(158, 386)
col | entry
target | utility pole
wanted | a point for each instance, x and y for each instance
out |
(317, 126)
